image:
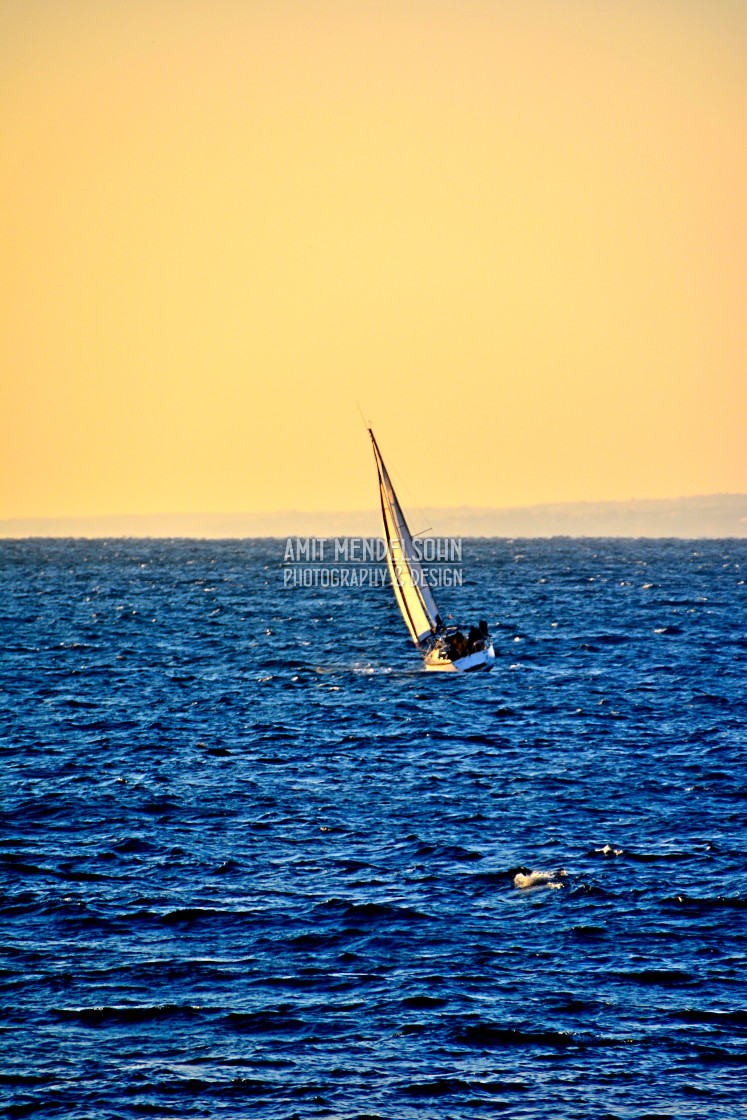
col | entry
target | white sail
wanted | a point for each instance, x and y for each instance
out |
(413, 595)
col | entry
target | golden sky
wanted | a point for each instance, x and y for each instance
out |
(513, 230)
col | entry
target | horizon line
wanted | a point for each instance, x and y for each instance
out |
(366, 511)
(704, 516)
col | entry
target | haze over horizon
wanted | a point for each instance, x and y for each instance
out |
(513, 231)
(711, 516)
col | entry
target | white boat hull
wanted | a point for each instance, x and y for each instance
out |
(437, 660)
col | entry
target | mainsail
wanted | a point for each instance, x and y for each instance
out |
(413, 595)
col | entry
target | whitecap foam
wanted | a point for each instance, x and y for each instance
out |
(524, 880)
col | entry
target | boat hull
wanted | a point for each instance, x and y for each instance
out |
(436, 661)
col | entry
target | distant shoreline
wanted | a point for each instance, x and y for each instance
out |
(700, 517)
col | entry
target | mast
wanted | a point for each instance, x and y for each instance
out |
(414, 597)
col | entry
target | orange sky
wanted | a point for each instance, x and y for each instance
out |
(513, 230)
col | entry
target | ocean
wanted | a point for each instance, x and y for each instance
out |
(255, 862)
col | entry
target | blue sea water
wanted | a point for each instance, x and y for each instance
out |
(255, 862)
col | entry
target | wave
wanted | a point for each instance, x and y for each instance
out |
(697, 906)
(658, 977)
(263, 1022)
(494, 1035)
(124, 1014)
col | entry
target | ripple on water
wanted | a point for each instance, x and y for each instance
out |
(256, 862)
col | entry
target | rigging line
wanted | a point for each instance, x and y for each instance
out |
(403, 486)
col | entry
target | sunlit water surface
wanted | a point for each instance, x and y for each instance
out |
(255, 862)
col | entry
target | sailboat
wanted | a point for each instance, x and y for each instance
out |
(444, 648)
